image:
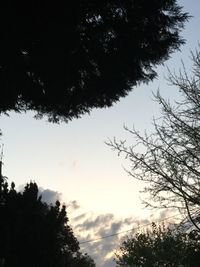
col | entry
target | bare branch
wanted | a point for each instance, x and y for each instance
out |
(168, 159)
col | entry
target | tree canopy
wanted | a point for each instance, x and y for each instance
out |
(168, 159)
(33, 233)
(160, 247)
(63, 59)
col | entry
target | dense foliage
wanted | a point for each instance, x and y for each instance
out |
(63, 59)
(33, 233)
(160, 247)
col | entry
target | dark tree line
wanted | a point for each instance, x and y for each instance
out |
(33, 233)
(63, 59)
(160, 247)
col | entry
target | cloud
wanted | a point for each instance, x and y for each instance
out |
(103, 251)
(49, 196)
(73, 205)
(79, 217)
(112, 228)
(90, 226)
(94, 223)
(115, 226)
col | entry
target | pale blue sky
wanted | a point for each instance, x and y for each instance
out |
(73, 159)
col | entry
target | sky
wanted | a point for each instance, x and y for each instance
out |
(72, 162)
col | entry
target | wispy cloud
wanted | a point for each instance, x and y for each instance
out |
(73, 205)
(91, 226)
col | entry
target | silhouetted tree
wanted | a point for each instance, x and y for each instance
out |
(168, 159)
(160, 247)
(63, 59)
(33, 233)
